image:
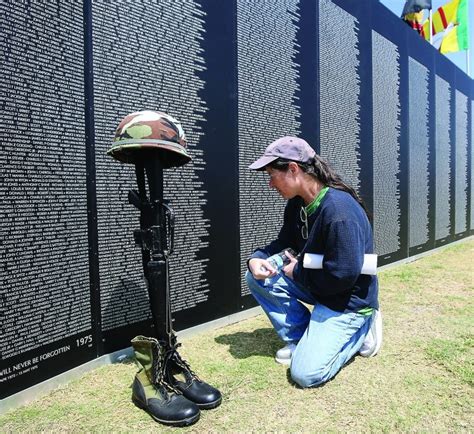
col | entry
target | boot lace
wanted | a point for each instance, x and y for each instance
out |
(159, 371)
(182, 363)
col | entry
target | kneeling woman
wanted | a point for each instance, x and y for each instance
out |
(323, 216)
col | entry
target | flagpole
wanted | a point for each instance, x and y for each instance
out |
(431, 27)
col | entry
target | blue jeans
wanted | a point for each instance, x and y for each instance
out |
(326, 340)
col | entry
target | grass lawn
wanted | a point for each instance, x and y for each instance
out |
(422, 380)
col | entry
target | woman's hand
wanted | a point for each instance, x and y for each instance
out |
(261, 268)
(288, 269)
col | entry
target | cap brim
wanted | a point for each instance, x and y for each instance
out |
(262, 162)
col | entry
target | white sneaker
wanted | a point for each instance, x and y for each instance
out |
(373, 340)
(283, 355)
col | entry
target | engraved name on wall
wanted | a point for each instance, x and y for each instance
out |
(443, 158)
(418, 144)
(339, 89)
(460, 216)
(386, 145)
(45, 273)
(267, 109)
(154, 66)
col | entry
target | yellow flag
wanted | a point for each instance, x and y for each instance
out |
(450, 42)
(457, 39)
(441, 19)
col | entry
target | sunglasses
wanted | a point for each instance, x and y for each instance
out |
(304, 220)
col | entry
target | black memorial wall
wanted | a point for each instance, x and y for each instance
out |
(393, 116)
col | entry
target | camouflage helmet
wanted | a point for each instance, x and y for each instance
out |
(150, 134)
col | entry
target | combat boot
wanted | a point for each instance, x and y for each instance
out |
(180, 375)
(152, 393)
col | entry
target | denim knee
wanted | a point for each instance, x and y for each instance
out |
(249, 278)
(254, 285)
(305, 378)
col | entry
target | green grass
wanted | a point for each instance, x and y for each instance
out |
(422, 380)
(456, 355)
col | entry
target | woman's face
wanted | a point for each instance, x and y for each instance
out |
(283, 182)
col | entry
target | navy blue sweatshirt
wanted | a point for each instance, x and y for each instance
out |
(340, 230)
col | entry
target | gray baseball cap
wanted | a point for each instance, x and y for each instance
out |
(289, 148)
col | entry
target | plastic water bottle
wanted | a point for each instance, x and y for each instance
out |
(279, 260)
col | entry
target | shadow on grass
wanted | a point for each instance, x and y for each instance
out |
(260, 342)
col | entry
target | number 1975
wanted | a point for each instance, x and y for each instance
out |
(84, 340)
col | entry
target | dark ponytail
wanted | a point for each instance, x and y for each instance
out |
(324, 173)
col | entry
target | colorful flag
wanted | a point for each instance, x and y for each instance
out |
(415, 6)
(457, 39)
(441, 19)
(414, 20)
